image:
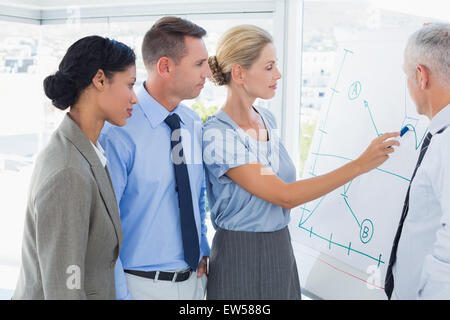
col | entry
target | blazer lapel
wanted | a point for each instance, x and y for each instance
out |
(72, 132)
(108, 196)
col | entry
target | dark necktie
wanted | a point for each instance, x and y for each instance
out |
(187, 220)
(389, 281)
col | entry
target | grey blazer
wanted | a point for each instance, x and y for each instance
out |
(72, 232)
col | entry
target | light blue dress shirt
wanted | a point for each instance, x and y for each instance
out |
(422, 269)
(142, 173)
(225, 146)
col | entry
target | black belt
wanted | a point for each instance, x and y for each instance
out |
(162, 275)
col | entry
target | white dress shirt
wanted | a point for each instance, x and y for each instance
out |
(422, 270)
(100, 153)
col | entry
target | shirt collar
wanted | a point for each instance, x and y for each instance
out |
(223, 116)
(440, 120)
(153, 110)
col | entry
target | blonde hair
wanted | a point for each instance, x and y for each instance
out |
(239, 45)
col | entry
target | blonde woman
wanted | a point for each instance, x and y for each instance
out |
(251, 180)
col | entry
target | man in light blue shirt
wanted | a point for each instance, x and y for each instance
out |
(152, 262)
(419, 267)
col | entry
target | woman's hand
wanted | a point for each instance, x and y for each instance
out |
(377, 152)
(202, 267)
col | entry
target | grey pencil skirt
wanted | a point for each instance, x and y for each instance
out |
(252, 266)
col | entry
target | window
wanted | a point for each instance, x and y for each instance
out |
(20, 134)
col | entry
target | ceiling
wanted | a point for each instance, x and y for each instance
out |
(57, 11)
(51, 4)
(438, 9)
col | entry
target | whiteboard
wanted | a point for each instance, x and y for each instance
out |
(342, 241)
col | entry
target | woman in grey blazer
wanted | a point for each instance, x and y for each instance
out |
(72, 232)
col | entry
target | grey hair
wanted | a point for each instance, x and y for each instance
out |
(430, 47)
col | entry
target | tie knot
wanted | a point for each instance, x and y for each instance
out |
(173, 121)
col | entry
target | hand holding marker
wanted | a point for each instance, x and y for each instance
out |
(403, 131)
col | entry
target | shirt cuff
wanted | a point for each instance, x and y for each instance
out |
(204, 247)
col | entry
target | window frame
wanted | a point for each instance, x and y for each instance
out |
(285, 104)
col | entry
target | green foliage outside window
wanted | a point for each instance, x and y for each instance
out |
(307, 133)
(203, 111)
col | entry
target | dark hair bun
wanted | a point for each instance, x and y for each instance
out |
(61, 90)
(218, 77)
(81, 63)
